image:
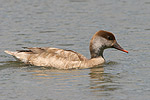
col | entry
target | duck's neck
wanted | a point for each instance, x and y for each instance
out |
(96, 52)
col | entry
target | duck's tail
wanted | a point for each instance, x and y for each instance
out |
(10, 52)
(23, 56)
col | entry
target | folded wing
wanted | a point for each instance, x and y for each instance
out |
(66, 54)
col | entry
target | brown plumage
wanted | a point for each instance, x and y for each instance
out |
(68, 59)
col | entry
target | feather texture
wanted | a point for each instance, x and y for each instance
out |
(54, 57)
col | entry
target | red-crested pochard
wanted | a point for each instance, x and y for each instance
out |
(67, 59)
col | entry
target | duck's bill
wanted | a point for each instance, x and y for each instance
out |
(117, 46)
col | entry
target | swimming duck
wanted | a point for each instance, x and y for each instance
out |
(68, 59)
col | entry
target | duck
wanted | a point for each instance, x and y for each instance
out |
(68, 59)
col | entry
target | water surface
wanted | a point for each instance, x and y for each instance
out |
(70, 24)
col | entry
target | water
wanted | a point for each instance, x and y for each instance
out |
(70, 24)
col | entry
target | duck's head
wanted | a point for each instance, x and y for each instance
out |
(102, 40)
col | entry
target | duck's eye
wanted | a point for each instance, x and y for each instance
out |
(110, 38)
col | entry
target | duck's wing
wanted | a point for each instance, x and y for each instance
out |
(45, 51)
(66, 54)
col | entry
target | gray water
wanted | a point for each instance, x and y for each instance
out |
(70, 24)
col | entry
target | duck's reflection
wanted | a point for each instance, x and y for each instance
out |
(96, 73)
(101, 81)
(8, 64)
(51, 73)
